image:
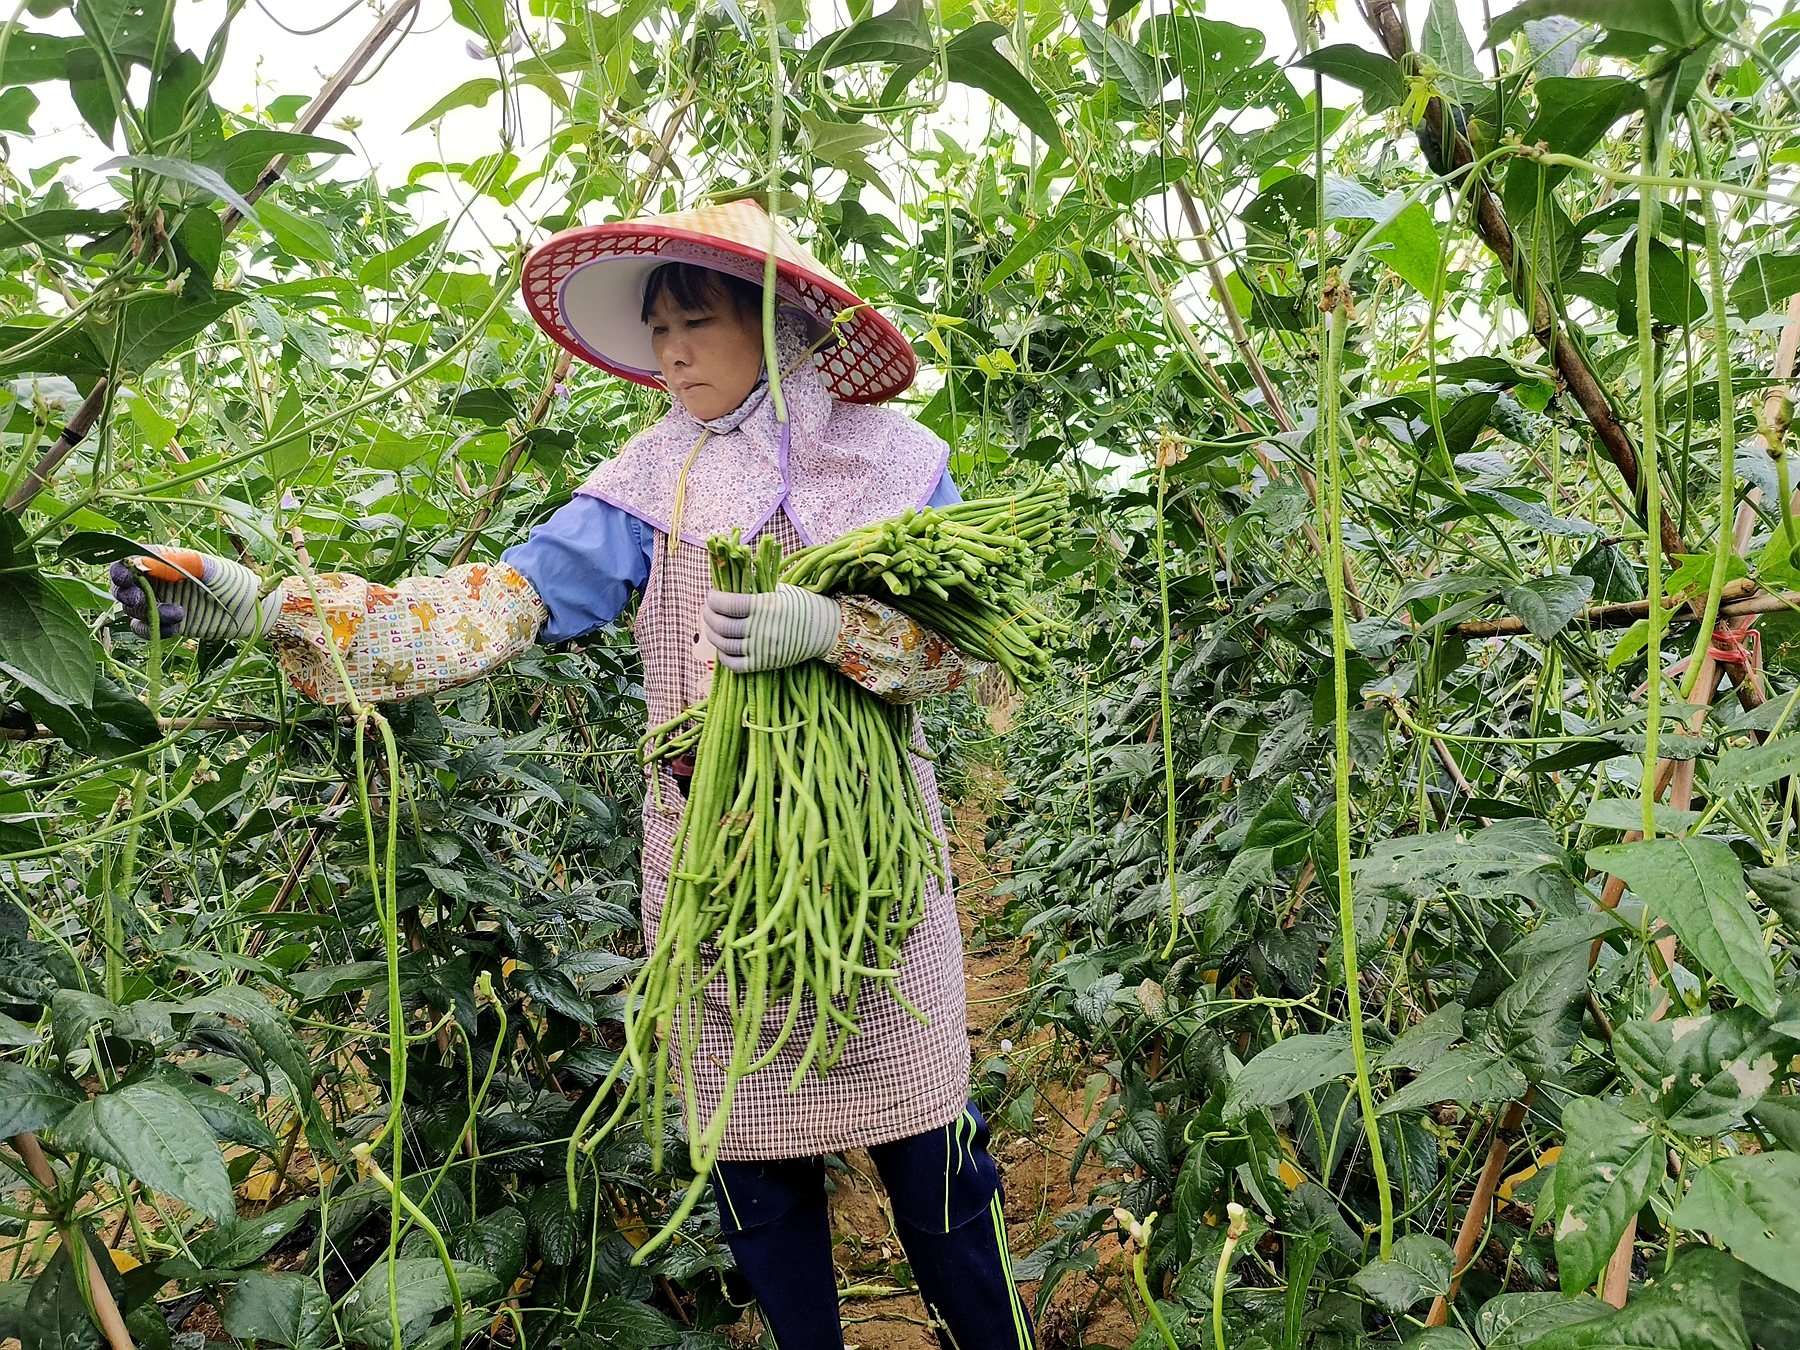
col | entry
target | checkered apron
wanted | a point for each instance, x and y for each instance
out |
(898, 1077)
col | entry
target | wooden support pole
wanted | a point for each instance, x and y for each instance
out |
(1474, 1223)
(1490, 221)
(106, 1311)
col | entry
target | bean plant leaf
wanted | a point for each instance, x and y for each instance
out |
(1420, 1268)
(1600, 1181)
(1219, 63)
(1752, 1205)
(1474, 1073)
(44, 645)
(894, 38)
(1701, 1074)
(243, 1242)
(1424, 1044)
(1573, 114)
(1675, 297)
(97, 546)
(1409, 244)
(1115, 59)
(1279, 827)
(382, 269)
(622, 1322)
(50, 1313)
(204, 177)
(1375, 76)
(974, 62)
(422, 1292)
(225, 1115)
(1446, 48)
(1779, 889)
(241, 159)
(1693, 1306)
(299, 235)
(156, 325)
(497, 1241)
(31, 1099)
(469, 94)
(1765, 284)
(1515, 1321)
(1534, 1020)
(48, 226)
(1546, 604)
(1627, 813)
(1288, 1068)
(1674, 22)
(1771, 1309)
(33, 58)
(1697, 887)
(287, 1309)
(1757, 765)
(155, 1136)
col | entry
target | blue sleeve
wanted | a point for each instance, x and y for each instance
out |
(945, 493)
(585, 562)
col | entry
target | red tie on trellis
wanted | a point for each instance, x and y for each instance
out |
(1733, 644)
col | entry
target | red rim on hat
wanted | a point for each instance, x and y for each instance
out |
(585, 288)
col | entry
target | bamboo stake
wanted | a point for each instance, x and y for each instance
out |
(313, 116)
(1615, 1284)
(1677, 778)
(1490, 221)
(1740, 598)
(1469, 1235)
(1234, 320)
(659, 157)
(106, 1311)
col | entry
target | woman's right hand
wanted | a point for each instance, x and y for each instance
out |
(198, 595)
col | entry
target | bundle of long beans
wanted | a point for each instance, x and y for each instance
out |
(801, 864)
(964, 571)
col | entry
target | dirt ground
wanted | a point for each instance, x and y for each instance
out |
(879, 1314)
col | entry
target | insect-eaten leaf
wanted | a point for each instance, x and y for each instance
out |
(1599, 1184)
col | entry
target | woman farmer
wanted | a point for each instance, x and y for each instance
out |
(677, 302)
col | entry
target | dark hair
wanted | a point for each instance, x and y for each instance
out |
(694, 287)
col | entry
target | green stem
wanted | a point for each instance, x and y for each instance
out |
(771, 357)
(1234, 1234)
(1721, 332)
(1331, 502)
(1651, 476)
(1143, 1281)
(1168, 742)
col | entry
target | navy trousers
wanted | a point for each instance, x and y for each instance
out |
(945, 1192)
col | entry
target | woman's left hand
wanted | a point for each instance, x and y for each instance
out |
(770, 630)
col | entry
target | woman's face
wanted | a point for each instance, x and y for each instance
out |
(710, 356)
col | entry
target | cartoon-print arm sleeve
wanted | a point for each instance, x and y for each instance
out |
(895, 657)
(398, 642)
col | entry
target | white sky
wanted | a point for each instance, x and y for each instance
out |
(263, 61)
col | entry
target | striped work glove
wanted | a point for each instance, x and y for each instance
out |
(777, 628)
(198, 595)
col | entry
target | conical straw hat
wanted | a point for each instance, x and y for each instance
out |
(585, 287)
